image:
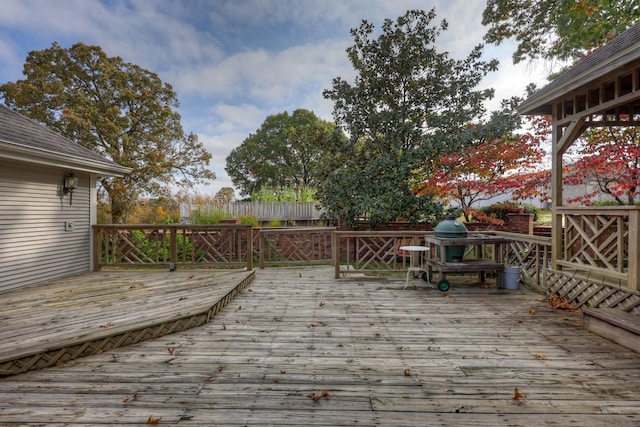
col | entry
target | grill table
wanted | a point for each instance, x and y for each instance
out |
(477, 265)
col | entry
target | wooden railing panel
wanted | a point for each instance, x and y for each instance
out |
(601, 242)
(173, 245)
(373, 252)
(291, 246)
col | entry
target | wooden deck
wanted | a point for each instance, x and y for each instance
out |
(298, 347)
(53, 323)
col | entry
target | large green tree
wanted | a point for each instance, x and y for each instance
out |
(409, 103)
(284, 153)
(117, 109)
(557, 29)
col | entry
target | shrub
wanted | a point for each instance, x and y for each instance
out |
(249, 219)
(499, 211)
(207, 217)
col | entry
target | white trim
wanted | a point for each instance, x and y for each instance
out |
(12, 151)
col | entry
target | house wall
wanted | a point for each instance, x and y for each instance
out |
(34, 244)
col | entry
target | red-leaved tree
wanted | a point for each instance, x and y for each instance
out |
(609, 158)
(493, 166)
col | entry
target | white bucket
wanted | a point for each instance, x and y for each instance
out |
(511, 278)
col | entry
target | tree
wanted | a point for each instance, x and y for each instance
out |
(557, 29)
(224, 196)
(284, 153)
(492, 166)
(409, 103)
(609, 158)
(117, 109)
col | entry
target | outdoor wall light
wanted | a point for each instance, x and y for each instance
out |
(70, 183)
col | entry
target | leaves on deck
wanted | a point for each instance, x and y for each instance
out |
(323, 395)
(106, 325)
(170, 350)
(557, 302)
(407, 372)
(152, 420)
(517, 395)
(541, 356)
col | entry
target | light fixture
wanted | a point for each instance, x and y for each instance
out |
(70, 183)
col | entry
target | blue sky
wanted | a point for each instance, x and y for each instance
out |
(234, 62)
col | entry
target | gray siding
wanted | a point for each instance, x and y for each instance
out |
(34, 245)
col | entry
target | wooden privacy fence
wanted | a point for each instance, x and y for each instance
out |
(173, 245)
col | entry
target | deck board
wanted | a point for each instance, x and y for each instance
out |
(386, 356)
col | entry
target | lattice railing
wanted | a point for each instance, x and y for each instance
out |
(173, 245)
(372, 252)
(600, 243)
(531, 253)
(290, 246)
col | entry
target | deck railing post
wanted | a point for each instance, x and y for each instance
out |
(335, 253)
(173, 244)
(250, 248)
(633, 271)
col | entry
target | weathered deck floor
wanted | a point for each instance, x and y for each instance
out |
(55, 322)
(370, 352)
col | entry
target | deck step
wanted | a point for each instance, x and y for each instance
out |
(614, 324)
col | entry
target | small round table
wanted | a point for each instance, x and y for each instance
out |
(414, 251)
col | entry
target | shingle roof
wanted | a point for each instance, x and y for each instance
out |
(21, 133)
(619, 52)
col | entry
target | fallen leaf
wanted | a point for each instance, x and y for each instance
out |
(106, 325)
(276, 380)
(446, 295)
(321, 304)
(541, 356)
(220, 368)
(299, 274)
(283, 372)
(224, 326)
(158, 335)
(152, 420)
(312, 325)
(517, 395)
(170, 350)
(532, 312)
(407, 372)
(182, 298)
(558, 302)
(325, 394)
(314, 396)
(126, 399)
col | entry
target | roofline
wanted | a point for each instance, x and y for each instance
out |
(12, 151)
(544, 97)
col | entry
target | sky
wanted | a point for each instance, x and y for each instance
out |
(232, 63)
